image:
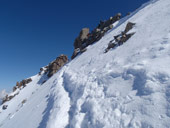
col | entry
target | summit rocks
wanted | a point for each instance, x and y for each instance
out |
(87, 38)
(54, 66)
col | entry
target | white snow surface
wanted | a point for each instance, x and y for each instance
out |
(127, 87)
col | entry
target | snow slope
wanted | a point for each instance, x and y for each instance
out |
(128, 87)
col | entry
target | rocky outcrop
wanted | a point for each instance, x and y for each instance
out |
(110, 21)
(24, 101)
(56, 65)
(86, 38)
(21, 84)
(81, 38)
(41, 70)
(4, 107)
(52, 68)
(75, 53)
(121, 38)
(14, 88)
(129, 26)
(7, 98)
(110, 45)
(124, 38)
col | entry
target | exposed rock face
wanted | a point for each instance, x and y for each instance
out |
(121, 38)
(5, 99)
(22, 83)
(41, 69)
(128, 13)
(82, 36)
(86, 38)
(4, 107)
(57, 64)
(17, 84)
(8, 98)
(110, 45)
(129, 26)
(110, 21)
(124, 38)
(75, 53)
(24, 101)
(14, 88)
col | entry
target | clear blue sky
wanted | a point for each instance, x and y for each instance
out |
(34, 32)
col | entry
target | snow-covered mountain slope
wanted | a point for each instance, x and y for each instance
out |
(127, 87)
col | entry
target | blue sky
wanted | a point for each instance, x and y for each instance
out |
(35, 32)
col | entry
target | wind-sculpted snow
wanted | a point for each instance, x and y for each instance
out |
(111, 100)
(127, 87)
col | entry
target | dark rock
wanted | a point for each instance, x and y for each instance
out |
(75, 53)
(110, 45)
(4, 107)
(14, 88)
(109, 22)
(10, 97)
(116, 18)
(45, 71)
(124, 38)
(80, 39)
(5, 99)
(100, 24)
(129, 26)
(57, 64)
(128, 13)
(108, 28)
(41, 69)
(83, 50)
(28, 80)
(43, 81)
(17, 84)
(24, 101)
(84, 34)
(117, 37)
(20, 84)
(85, 38)
(46, 66)
(23, 83)
(121, 38)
